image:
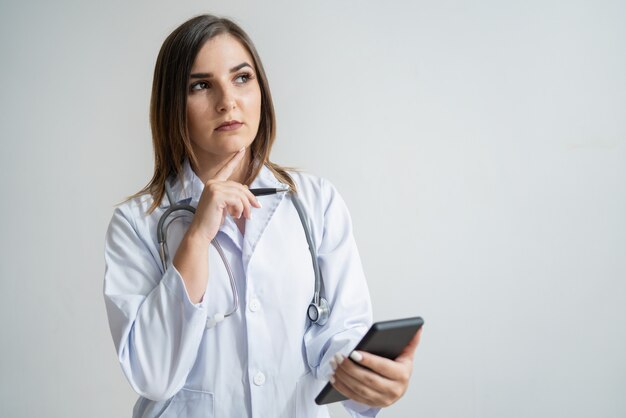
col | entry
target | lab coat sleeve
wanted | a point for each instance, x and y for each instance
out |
(156, 329)
(346, 290)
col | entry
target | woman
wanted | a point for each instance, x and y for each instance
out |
(213, 127)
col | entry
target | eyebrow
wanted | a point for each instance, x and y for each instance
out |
(232, 70)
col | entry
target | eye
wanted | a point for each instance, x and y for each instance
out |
(243, 78)
(200, 85)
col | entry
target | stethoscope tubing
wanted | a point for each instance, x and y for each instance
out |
(318, 303)
(162, 229)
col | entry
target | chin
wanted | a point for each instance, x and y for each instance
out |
(232, 147)
(222, 144)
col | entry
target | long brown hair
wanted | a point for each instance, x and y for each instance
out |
(168, 105)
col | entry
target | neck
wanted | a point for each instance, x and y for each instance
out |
(210, 164)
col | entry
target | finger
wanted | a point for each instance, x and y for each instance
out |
(227, 170)
(244, 194)
(252, 198)
(379, 389)
(235, 208)
(359, 378)
(229, 201)
(247, 210)
(385, 367)
(342, 385)
(233, 194)
(242, 190)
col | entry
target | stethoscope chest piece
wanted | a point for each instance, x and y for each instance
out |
(318, 312)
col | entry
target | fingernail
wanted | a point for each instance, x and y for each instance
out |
(332, 379)
(242, 149)
(333, 364)
(259, 203)
(356, 356)
(339, 358)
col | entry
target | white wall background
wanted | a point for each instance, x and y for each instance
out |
(480, 145)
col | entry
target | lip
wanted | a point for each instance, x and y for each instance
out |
(230, 125)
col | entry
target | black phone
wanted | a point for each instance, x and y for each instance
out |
(386, 339)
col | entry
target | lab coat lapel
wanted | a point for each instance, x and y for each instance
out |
(261, 217)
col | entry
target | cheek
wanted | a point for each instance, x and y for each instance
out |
(195, 111)
(253, 103)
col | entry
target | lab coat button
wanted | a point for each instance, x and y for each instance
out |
(259, 379)
(254, 305)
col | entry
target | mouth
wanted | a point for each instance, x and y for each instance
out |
(230, 125)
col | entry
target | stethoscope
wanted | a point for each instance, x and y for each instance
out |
(318, 310)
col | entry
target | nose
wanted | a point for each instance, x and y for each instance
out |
(226, 101)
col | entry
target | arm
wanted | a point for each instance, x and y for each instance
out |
(156, 328)
(156, 319)
(381, 382)
(345, 288)
(219, 197)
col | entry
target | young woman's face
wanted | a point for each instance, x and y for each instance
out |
(223, 99)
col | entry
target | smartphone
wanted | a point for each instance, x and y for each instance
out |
(386, 339)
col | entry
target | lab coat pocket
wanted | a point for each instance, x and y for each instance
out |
(189, 404)
(307, 389)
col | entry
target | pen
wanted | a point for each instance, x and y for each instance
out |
(266, 191)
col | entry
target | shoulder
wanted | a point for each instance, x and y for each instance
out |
(133, 216)
(135, 207)
(331, 223)
(312, 187)
(319, 196)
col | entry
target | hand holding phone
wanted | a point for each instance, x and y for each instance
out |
(386, 339)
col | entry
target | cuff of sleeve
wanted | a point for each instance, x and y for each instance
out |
(173, 281)
(359, 410)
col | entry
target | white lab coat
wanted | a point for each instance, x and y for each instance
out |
(267, 359)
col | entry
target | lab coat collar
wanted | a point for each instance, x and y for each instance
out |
(186, 189)
(192, 186)
(261, 217)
